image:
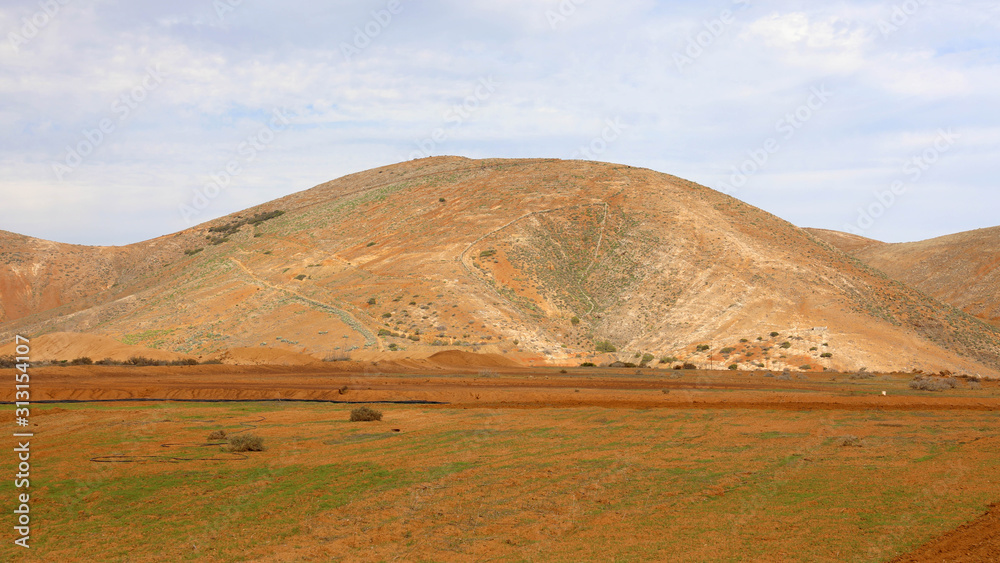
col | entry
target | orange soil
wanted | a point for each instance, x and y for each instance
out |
(976, 541)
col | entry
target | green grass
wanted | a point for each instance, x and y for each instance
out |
(692, 484)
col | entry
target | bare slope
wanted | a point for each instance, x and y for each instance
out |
(961, 269)
(546, 257)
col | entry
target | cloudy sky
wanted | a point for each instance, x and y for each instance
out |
(120, 119)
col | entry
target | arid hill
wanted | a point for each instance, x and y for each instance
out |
(544, 261)
(961, 269)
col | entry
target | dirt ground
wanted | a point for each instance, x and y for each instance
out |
(503, 463)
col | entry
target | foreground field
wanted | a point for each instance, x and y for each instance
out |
(530, 476)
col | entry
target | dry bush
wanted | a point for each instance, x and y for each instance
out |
(246, 443)
(922, 383)
(217, 435)
(850, 441)
(365, 414)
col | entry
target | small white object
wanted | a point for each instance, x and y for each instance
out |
(883, 393)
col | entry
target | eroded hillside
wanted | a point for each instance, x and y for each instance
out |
(545, 260)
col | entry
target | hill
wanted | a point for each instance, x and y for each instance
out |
(961, 269)
(542, 260)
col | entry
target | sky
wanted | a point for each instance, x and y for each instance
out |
(123, 121)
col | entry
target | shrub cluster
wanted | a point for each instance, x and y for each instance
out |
(923, 383)
(365, 414)
(246, 443)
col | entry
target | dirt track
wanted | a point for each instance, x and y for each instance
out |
(502, 387)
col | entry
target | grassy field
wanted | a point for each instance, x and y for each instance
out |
(446, 484)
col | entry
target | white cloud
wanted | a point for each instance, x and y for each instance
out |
(554, 89)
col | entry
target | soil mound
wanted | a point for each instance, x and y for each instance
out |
(978, 540)
(460, 359)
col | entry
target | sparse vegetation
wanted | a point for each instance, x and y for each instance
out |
(192, 251)
(487, 253)
(574, 320)
(82, 361)
(217, 435)
(774, 335)
(371, 300)
(786, 345)
(826, 355)
(365, 414)
(588, 365)
(668, 360)
(646, 358)
(734, 367)
(300, 277)
(703, 347)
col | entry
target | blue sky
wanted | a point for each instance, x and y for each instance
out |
(880, 117)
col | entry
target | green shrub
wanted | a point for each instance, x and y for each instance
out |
(246, 443)
(703, 347)
(734, 367)
(300, 277)
(487, 253)
(371, 243)
(588, 365)
(727, 350)
(192, 251)
(826, 355)
(371, 300)
(365, 414)
(646, 358)
(786, 345)
(393, 347)
(806, 367)
(441, 199)
(386, 315)
(689, 366)
(668, 360)
(774, 334)
(82, 361)
(743, 340)
(574, 320)
(603, 346)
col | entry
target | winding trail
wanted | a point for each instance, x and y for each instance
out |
(346, 317)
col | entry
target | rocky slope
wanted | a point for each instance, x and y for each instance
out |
(961, 269)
